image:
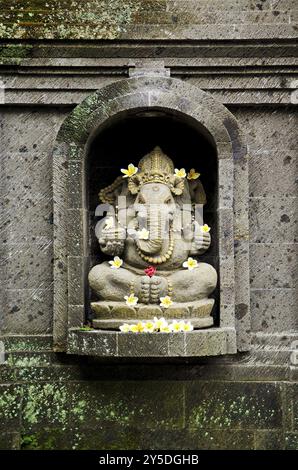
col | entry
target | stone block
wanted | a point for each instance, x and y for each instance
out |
(10, 441)
(226, 187)
(76, 237)
(273, 265)
(274, 310)
(267, 165)
(142, 344)
(26, 311)
(247, 406)
(76, 316)
(273, 220)
(291, 441)
(34, 134)
(76, 280)
(75, 184)
(27, 266)
(269, 440)
(10, 407)
(92, 343)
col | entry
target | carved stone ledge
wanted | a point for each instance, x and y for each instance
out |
(110, 315)
(199, 343)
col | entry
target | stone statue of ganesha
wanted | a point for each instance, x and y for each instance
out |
(155, 238)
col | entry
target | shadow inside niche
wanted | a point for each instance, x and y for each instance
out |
(129, 136)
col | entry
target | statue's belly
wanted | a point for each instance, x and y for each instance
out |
(180, 254)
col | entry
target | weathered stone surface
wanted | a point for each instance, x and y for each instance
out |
(273, 220)
(27, 310)
(239, 406)
(273, 265)
(274, 310)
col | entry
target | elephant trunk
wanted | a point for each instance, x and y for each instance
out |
(154, 244)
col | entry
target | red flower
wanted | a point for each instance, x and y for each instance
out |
(150, 271)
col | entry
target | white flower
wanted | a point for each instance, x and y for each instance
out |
(125, 328)
(193, 175)
(131, 300)
(159, 323)
(116, 263)
(166, 301)
(149, 326)
(165, 329)
(205, 228)
(130, 171)
(190, 263)
(143, 234)
(180, 173)
(186, 326)
(138, 328)
(176, 326)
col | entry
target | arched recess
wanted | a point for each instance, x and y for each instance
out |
(132, 96)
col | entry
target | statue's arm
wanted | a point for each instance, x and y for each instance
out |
(201, 241)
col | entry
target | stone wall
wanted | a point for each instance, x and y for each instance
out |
(52, 400)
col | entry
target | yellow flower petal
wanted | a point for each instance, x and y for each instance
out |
(131, 300)
(187, 326)
(205, 228)
(116, 263)
(190, 263)
(159, 323)
(165, 301)
(165, 329)
(130, 171)
(180, 173)
(193, 174)
(176, 326)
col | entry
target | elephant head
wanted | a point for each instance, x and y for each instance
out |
(155, 207)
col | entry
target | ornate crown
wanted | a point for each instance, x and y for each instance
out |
(156, 167)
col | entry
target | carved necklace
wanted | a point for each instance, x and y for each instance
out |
(162, 258)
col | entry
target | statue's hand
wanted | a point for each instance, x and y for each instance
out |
(201, 242)
(112, 240)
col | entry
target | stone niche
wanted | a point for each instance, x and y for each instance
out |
(114, 126)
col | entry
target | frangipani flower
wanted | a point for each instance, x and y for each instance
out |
(190, 263)
(180, 173)
(193, 175)
(166, 301)
(131, 170)
(176, 326)
(138, 328)
(205, 228)
(160, 323)
(109, 223)
(131, 300)
(186, 326)
(149, 326)
(165, 329)
(116, 263)
(143, 234)
(125, 328)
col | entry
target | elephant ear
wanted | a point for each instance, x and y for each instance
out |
(197, 192)
(134, 184)
(110, 193)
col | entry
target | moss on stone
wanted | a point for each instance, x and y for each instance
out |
(96, 19)
(16, 51)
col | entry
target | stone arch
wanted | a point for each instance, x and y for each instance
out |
(69, 158)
